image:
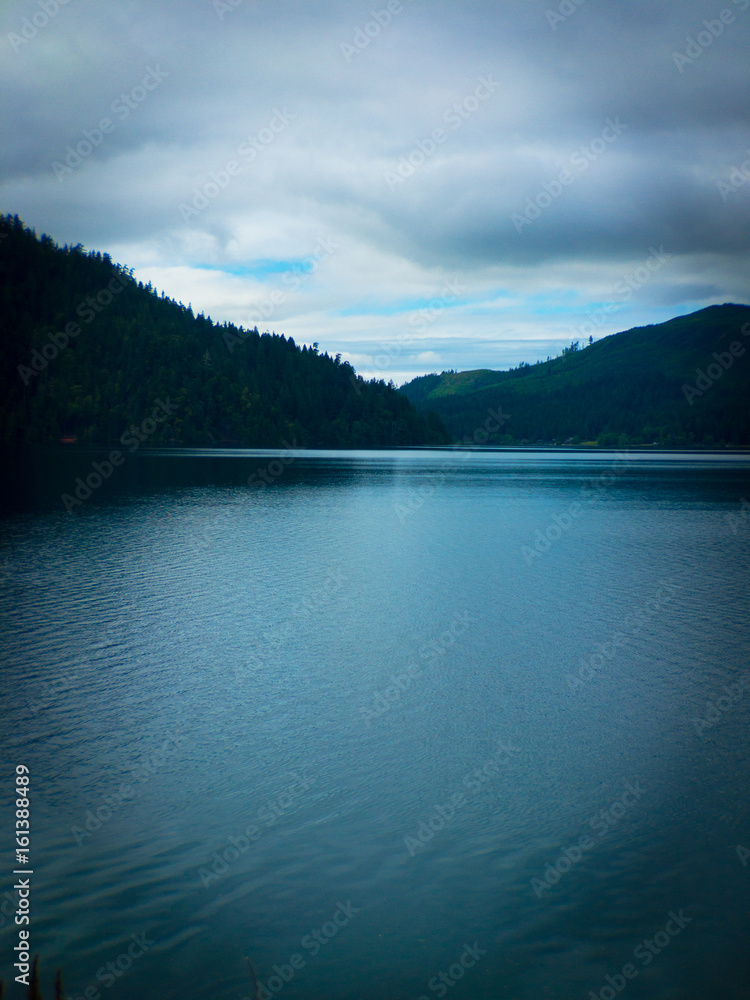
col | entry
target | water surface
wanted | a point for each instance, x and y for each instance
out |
(379, 699)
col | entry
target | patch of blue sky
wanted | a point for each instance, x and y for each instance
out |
(493, 302)
(570, 295)
(258, 268)
(495, 309)
(562, 310)
(384, 308)
(484, 310)
(562, 304)
(672, 311)
(406, 306)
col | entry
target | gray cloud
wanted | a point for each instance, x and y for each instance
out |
(357, 161)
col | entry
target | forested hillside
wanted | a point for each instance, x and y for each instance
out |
(86, 351)
(683, 383)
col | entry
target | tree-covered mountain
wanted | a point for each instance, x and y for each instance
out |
(683, 383)
(87, 352)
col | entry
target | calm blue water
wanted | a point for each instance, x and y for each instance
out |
(346, 724)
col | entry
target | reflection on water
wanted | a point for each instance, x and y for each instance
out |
(397, 724)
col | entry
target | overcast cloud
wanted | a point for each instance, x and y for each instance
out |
(415, 185)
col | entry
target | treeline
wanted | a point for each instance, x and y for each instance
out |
(87, 352)
(678, 384)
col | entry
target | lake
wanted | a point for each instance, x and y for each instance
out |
(390, 724)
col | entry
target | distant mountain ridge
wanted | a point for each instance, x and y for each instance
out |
(88, 354)
(683, 383)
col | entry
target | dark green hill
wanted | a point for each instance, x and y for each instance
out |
(86, 351)
(677, 384)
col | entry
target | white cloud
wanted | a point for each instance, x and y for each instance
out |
(346, 124)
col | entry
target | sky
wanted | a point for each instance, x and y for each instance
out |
(417, 185)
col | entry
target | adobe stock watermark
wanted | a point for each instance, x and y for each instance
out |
(107, 975)
(722, 362)
(31, 26)
(565, 10)
(224, 7)
(133, 438)
(98, 816)
(279, 806)
(579, 163)
(601, 823)
(704, 39)
(8, 909)
(372, 29)
(311, 604)
(719, 705)
(53, 690)
(593, 488)
(9, 571)
(559, 524)
(383, 701)
(625, 289)
(419, 495)
(122, 107)
(248, 151)
(444, 981)
(444, 813)
(738, 177)
(735, 520)
(382, 361)
(454, 117)
(202, 534)
(87, 310)
(315, 602)
(631, 627)
(419, 319)
(292, 279)
(268, 474)
(313, 942)
(645, 952)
